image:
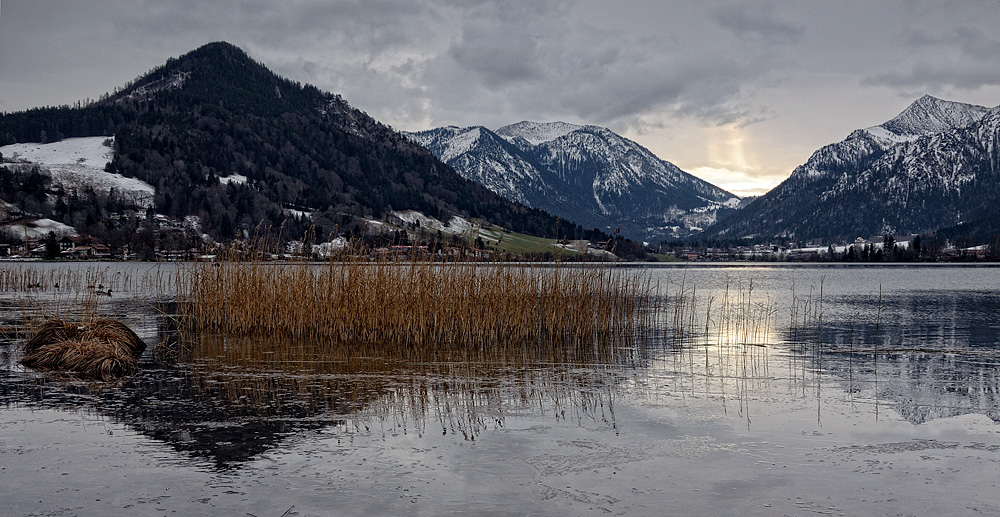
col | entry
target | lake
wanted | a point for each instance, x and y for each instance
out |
(759, 390)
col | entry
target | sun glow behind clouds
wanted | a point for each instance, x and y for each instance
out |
(727, 156)
(725, 147)
(741, 183)
(727, 163)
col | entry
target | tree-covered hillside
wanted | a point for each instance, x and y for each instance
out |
(197, 126)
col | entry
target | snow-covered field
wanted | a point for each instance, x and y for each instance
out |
(583, 246)
(456, 225)
(237, 179)
(297, 213)
(38, 229)
(79, 162)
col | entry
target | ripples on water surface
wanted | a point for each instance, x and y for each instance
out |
(832, 390)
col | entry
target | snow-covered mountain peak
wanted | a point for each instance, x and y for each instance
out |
(586, 174)
(537, 132)
(932, 167)
(924, 117)
(928, 115)
(449, 141)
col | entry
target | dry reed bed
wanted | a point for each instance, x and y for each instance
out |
(378, 306)
(416, 345)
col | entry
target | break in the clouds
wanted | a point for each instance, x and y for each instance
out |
(741, 90)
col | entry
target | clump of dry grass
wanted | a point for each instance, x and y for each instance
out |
(101, 348)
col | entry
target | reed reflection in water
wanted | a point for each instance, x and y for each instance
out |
(926, 355)
(405, 389)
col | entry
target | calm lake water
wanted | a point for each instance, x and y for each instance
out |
(762, 390)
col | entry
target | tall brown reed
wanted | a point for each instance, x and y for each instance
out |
(375, 306)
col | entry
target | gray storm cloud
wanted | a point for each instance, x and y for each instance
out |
(780, 77)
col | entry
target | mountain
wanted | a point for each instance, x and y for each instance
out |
(932, 166)
(587, 174)
(218, 136)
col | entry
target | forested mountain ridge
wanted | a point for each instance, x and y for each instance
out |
(223, 138)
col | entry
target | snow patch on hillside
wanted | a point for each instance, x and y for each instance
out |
(80, 162)
(409, 217)
(175, 81)
(89, 151)
(888, 138)
(456, 225)
(237, 179)
(37, 229)
(297, 213)
(461, 143)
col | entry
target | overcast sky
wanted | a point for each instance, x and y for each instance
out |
(738, 93)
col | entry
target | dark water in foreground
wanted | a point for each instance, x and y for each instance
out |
(809, 389)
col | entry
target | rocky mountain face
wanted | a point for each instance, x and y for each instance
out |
(587, 174)
(933, 166)
(219, 136)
